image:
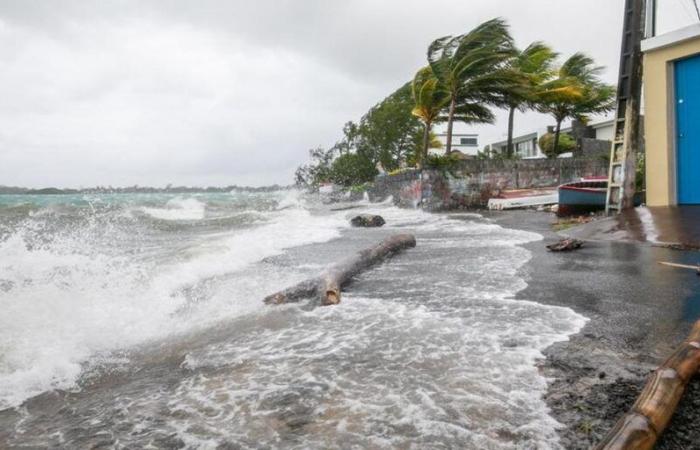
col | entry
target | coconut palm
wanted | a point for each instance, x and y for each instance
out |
(469, 68)
(535, 65)
(430, 100)
(576, 92)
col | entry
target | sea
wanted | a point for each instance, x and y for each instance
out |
(137, 321)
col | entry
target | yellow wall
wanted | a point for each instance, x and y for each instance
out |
(659, 107)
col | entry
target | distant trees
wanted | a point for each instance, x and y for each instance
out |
(388, 134)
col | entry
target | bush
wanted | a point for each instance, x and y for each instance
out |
(566, 144)
(444, 163)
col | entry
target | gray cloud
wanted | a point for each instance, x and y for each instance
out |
(218, 92)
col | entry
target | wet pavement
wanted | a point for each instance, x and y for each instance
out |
(673, 226)
(639, 312)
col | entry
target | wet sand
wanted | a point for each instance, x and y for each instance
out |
(639, 311)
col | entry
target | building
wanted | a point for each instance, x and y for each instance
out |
(527, 145)
(467, 144)
(672, 108)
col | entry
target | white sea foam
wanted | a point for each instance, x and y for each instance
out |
(71, 299)
(179, 209)
(444, 358)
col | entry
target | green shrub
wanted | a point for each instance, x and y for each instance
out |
(566, 144)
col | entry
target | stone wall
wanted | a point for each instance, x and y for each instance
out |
(473, 182)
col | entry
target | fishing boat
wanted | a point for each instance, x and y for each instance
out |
(580, 197)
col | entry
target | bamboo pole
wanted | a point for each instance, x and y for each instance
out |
(642, 426)
(327, 286)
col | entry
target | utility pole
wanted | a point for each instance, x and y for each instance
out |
(626, 141)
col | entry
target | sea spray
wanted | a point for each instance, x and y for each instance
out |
(429, 350)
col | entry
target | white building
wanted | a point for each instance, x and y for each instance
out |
(468, 144)
(527, 145)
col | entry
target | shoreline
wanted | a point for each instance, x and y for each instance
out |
(638, 313)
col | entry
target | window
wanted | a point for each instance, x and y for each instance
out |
(526, 149)
(469, 141)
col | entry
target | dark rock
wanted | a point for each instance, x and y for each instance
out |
(367, 221)
(565, 245)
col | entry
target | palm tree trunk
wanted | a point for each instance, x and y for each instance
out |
(557, 134)
(426, 144)
(511, 121)
(450, 119)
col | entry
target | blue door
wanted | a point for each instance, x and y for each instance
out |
(688, 132)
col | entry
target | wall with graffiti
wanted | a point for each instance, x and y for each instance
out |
(473, 182)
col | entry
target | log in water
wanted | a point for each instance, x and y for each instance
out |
(327, 286)
(641, 426)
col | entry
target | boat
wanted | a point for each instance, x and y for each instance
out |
(581, 197)
(523, 198)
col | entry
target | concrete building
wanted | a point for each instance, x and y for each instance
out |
(468, 144)
(672, 109)
(527, 145)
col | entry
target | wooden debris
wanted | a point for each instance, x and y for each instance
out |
(565, 245)
(640, 427)
(327, 286)
(696, 268)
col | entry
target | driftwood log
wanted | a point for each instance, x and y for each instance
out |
(327, 286)
(641, 426)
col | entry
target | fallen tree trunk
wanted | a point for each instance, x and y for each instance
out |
(327, 286)
(641, 426)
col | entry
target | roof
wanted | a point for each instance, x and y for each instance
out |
(518, 139)
(672, 38)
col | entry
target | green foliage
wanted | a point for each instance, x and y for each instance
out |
(446, 164)
(360, 188)
(566, 144)
(352, 168)
(317, 171)
(496, 155)
(430, 99)
(576, 92)
(388, 133)
(534, 67)
(469, 72)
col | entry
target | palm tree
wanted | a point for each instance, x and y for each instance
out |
(535, 67)
(430, 100)
(468, 67)
(576, 92)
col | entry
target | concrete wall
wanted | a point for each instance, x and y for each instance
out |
(660, 126)
(472, 183)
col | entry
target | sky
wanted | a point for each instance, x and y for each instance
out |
(213, 92)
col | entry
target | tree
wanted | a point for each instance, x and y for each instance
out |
(470, 68)
(318, 171)
(430, 99)
(534, 65)
(566, 144)
(388, 132)
(576, 92)
(352, 168)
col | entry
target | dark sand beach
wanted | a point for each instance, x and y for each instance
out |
(638, 310)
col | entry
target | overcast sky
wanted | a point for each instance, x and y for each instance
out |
(235, 92)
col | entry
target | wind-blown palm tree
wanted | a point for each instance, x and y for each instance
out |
(430, 100)
(535, 65)
(468, 68)
(576, 92)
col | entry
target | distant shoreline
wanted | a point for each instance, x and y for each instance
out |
(12, 190)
